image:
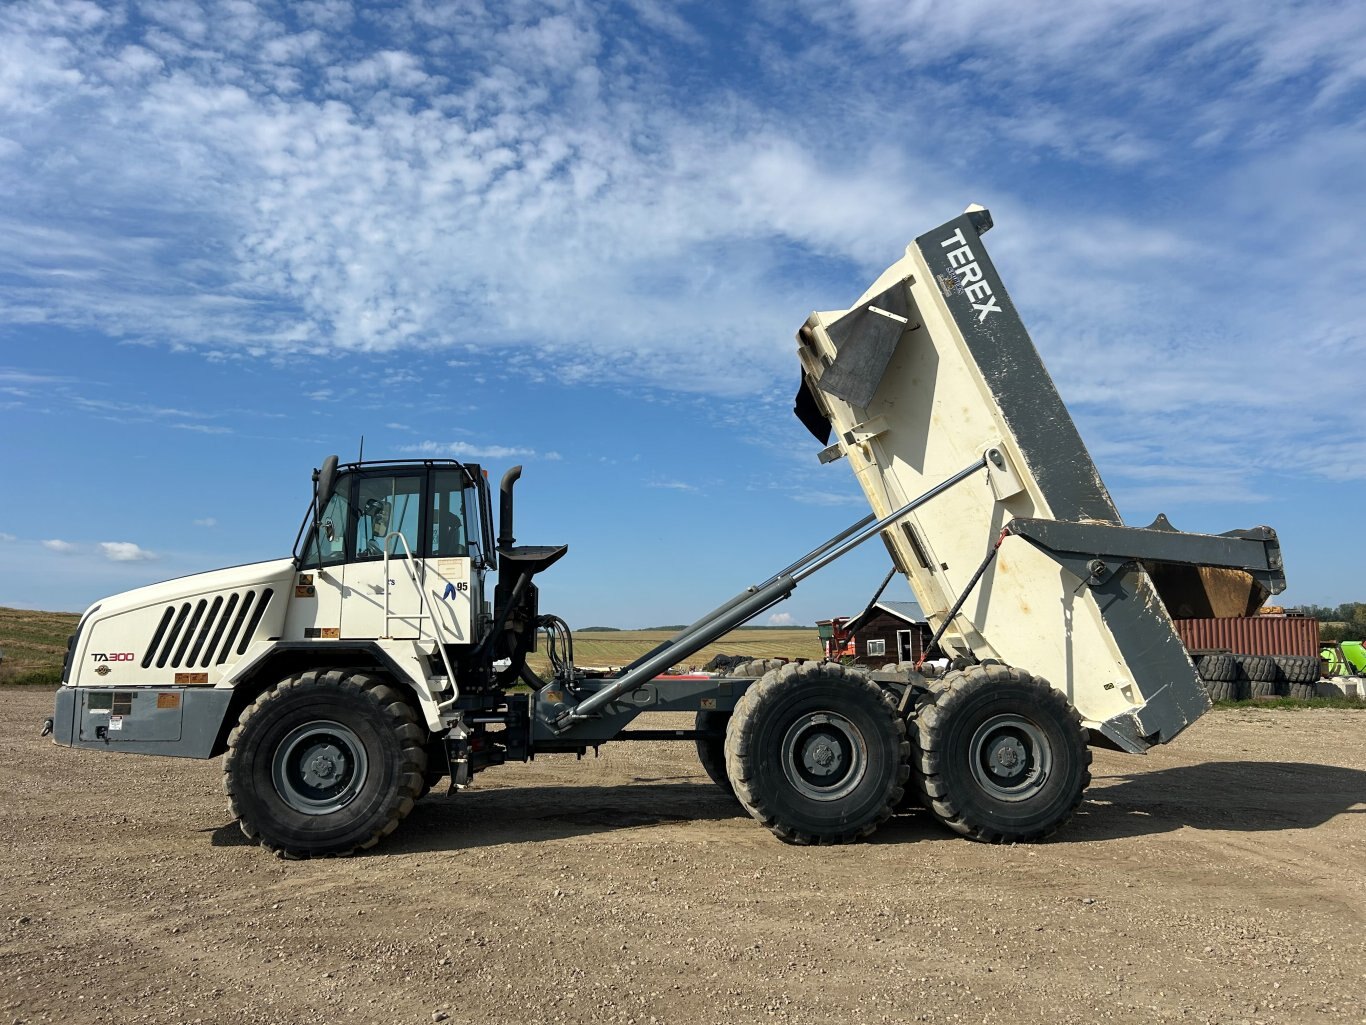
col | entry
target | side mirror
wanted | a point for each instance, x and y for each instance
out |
(324, 482)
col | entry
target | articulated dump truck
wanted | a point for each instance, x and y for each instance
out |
(389, 652)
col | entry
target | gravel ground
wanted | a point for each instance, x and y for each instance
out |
(1220, 879)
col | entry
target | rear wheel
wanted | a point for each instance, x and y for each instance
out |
(1001, 756)
(817, 753)
(711, 749)
(325, 762)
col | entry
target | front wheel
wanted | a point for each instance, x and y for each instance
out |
(817, 753)
(325, 762)
(1001, 756)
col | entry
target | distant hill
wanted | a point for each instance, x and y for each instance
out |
(683, 626)
(34, 644)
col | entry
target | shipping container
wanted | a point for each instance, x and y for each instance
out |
(1251, 635)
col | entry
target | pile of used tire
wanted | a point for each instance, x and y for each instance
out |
(742, 665)
(723, 663)
(1229, 677)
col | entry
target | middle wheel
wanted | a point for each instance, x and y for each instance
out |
(817, 753)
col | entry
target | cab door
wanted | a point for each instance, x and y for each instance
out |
(452, 581)
(387, 517)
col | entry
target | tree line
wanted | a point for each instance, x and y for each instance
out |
(1345, 622)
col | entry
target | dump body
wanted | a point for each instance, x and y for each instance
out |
(932, 368)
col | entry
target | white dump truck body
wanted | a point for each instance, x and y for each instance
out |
(928, 370)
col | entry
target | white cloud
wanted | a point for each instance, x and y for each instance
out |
(57, 545)
(1116, 43)
(14, 376)
(545, 187)
(7, 537)
(671, 485)
(467, 450)
(125, 551)
(781, 619)
(469, 202)
(816, 497)
(207, 521)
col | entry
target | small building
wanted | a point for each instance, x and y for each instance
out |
(887, 631)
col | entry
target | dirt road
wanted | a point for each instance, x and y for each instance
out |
(1221, 879)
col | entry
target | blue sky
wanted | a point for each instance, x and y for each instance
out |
(238, 236)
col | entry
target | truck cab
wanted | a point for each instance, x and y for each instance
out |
(390, 572)
(399, 551)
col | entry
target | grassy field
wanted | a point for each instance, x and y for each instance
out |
(34, 644)
(618, 647)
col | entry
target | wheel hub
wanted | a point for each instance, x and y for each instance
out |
(821, 756)
(824, 755)
(1008, 757)
(1011, 757)
(324, 763)
(319, 767)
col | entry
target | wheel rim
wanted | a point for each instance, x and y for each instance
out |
(824, 756)
(1011, 757)
(319, 768)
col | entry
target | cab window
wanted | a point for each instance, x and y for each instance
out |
(386, 506)
(447, 522)
(327, 545)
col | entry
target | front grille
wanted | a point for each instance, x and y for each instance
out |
(206, 631)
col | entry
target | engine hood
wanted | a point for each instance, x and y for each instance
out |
(189, 630)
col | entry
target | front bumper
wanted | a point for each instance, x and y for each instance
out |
(180, 722)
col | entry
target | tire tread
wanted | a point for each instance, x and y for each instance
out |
(394, 710)
(957, 688)
(739, 753)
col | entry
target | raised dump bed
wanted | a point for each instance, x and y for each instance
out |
(930, 371)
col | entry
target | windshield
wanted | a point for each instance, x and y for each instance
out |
(437, 511)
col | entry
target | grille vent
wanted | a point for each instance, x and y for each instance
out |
(206, 632)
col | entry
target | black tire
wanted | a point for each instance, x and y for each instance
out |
(1298, 668)
(324, 763)
(1215, 668)
(1001, 756)
(817, 753)
(1255, 667)
(1222, 690)
(1304, 691)
(711, 750)
(902, 671)
(1261, 689)
(756, 668)
(430, 779)
(921, 697)
(436, 766)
